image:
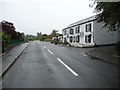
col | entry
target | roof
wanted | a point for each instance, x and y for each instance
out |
(89, 19)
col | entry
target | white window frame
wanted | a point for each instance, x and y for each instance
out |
(87, 38)
(88, 27)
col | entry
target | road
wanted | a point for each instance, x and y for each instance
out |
(45, 65)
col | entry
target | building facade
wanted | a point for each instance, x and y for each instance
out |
(88, 32)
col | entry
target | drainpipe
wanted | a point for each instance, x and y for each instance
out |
(94, 37)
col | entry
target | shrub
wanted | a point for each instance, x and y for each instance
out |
(117, 47)
(6, 38)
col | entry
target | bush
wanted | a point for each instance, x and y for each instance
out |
(6, 38)
(117, 47)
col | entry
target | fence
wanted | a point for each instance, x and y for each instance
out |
(12, 42)
(15, 42)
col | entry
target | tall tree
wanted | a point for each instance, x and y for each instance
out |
(109, 13)
(39, 34)
(8, 28)
(54, 33)
(44, 35)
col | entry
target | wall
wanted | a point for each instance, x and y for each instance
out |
(102, 36)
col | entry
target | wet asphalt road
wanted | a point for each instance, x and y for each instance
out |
(45, 65)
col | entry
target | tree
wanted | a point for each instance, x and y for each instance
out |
(109, 13)
(117, 47)
(23, 36)
(8, 28)
(5, 38)
(54, 33)
(44, 35)
(30, 37)
(39, 34)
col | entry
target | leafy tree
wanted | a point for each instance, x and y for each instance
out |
(8, 28)
(60, 34)
(109, 13)
(39, 34)
(117, 47)
(23, 37)
(44, 35)
(30, 37)
(54, 33)
(5, 38)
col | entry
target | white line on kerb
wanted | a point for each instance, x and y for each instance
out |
(50, 51)
(44, 46)
(67, 67)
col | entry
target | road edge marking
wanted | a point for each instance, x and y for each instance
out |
(71, 70)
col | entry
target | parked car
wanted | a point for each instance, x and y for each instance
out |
(55, 40)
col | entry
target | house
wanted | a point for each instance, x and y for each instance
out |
(88, 32)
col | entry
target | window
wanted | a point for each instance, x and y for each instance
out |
(71, 39)
(78, 38)
(88, 38)
(65, 40)
(88, 27)
(71, 31)
(77, 29)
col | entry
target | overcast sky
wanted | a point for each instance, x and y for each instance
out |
(32, 16)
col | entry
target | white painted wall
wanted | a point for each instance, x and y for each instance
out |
(102, 36)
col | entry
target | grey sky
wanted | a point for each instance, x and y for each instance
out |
(31, 16)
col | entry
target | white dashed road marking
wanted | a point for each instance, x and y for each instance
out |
(50, 51)
(73, 72)
(85, 55)
(44, 46)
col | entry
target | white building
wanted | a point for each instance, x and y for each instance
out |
(60, 38)
(88, 32)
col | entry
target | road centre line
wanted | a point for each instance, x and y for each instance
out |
(40, 43)
(50, 51)
(85, 55)
(73, 72)
(44, 46)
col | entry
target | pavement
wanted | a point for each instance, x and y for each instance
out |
(45, 65)
(10, 56)
(104, 53)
